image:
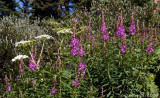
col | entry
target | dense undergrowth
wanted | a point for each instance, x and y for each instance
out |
(101, 55)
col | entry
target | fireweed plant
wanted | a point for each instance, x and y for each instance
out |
(89, 63)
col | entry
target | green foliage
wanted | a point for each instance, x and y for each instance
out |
(8, 7)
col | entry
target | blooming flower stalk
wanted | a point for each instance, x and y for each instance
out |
(74, 42)
(75, 83)
(19, 57)
(90, 30)
(81, 51)
(104, 33)
(65, 31)
(123, 48)
(33, 63)
(53, 91)
(20, 66)
(74, 46)
(9, 88)
(82, 69)
(132, 26)
(120, 30)
(21, 43)
(150, 49)
(44, 36)
(132, 29)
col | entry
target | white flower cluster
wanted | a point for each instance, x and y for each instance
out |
(44, 36)
(21, 42)
(65, 31)
(19, 57)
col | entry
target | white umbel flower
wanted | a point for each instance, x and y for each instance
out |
(65, 31)
(19, 57)
(44, 36)
(21, 42)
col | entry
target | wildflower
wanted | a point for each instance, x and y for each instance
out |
(75, 83)
(123, 48)
(132, 26)
(102, 91)
(120, 32)
(21, 42)
(32, 62)
(90, 30)
(81, 52)
(90, 36)
(44, 36)
(65, 31)
(34, 84)
(20, 66)
(74, 42)
(132, 29)
(82, 69)
(9, 88)
(18, 77)
(150, 49)
(105, 34)
(74, 46)
(33, 65)
(120, 28)
(53, 91)
(19, 57)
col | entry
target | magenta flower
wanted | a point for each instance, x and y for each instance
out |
(33, 65)
(150, 49)
(9, 88)
(81, 52)
(75, 83)
(74, 42)
(104, 32)
(123, 48)
(74, 46)
(53, 91)
(106, 36)
(120, 32)
(90, 36)
(20, 66)
(82, 69)
(132, 29)
(21, 70)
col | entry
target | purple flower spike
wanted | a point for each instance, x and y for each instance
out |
(75, 83)
(74, 46)
(53, 91)
(150, 49)
(33, 65)
(21, 70)
(132, 29)
(81, 52)
(9, 88)
(106, 36)
(123, 48)
(120, 32)
(90, 37)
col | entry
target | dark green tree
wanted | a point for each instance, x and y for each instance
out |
(50, 8)
(25, 7)
(82, 4)
(8, 7)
